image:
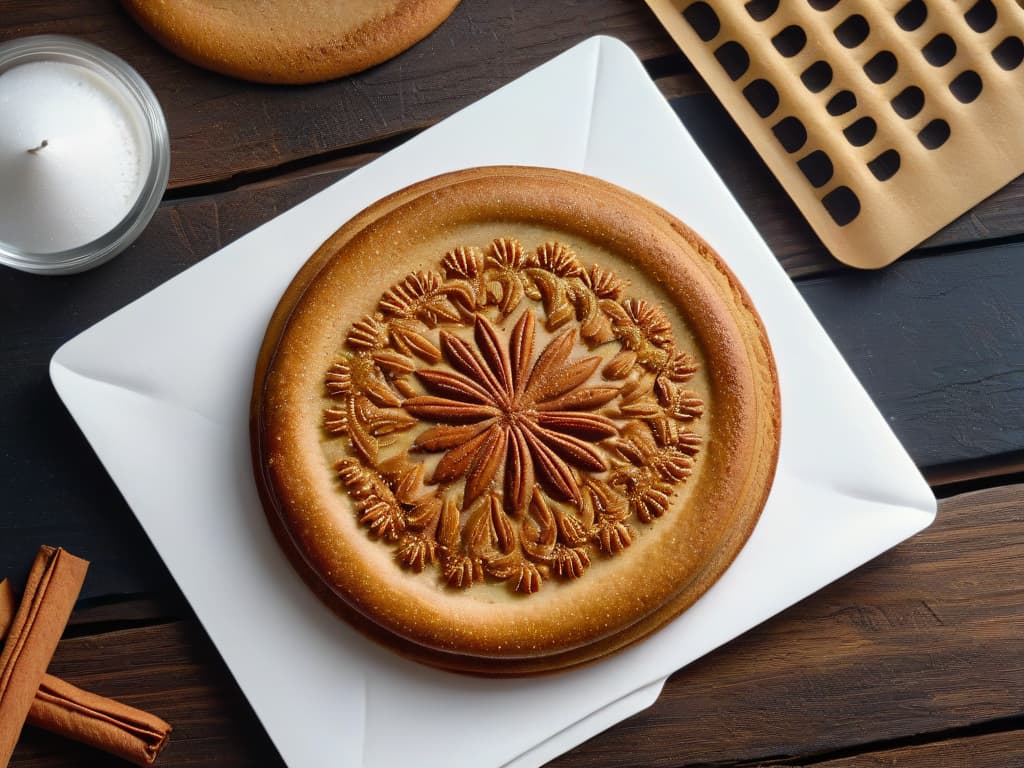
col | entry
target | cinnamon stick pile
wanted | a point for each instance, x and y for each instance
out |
(28, 694)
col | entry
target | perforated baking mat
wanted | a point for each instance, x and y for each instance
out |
(884, 120)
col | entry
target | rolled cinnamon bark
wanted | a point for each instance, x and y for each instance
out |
(53, 585)
(7, 606)
(103, 723)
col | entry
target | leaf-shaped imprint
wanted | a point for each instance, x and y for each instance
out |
(604, 283)
(506, 252)
(557, 258)
(686, 405)
(673, 465)
(462, 571)
(379, 421)
(408, 339)
(339, 378)
(355, 426)
(651, 320)
(425, 516)
(570, 529)
(620, 366)
(614, 536)
(416, 552)
(571, 562)
(424, 295)
(511, 292)
(681, 367)
(393, 363)
(527, 580)
(336, 420)
(409, 486)
(383, 519)
(511, 414)
(380, 393)
(369, 333)
(465, 263)
(649, 499)
(553, 293)
(521, 574)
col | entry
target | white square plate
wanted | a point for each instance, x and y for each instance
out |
(161, 390)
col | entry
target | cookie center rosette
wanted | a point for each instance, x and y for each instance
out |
(512, 416)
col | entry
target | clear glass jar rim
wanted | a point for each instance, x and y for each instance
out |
(107, 64)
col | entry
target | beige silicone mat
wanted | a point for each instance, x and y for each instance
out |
(884, 120)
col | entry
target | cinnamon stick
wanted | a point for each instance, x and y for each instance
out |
(53, 585)
(7, 605)
(6, 608)
(103, 723)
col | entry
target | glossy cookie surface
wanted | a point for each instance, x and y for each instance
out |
(510, 420)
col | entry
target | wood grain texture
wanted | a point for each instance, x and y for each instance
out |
(994, 750)
(924, 638)
(1009, 468)
(220, 127)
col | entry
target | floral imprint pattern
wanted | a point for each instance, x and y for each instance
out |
(511, 455)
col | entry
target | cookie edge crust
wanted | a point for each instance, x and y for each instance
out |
(361, 48)
(759, 452)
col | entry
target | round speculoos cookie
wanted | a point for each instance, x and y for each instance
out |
(285, 41)
(510, 420)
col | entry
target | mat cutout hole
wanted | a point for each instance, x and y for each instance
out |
(842, 205)
(760, 10)
(841, 103)
(940, 50)
(734, 59)
(935, 134)
(791, 133)
(853, 31)
(881, 67)
(966, 86)
(1009, 53)
(823, 5)
(703, 19)
(860, 132)
(912, 15)
(908, 102)
(982, 16)
(790, 41)
(762, 96)
(817, 167)
(884, 166)
(817, 77)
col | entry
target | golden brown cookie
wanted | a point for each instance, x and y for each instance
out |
(509, 420)
(280, 41)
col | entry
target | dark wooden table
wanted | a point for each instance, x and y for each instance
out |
(916, 659)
